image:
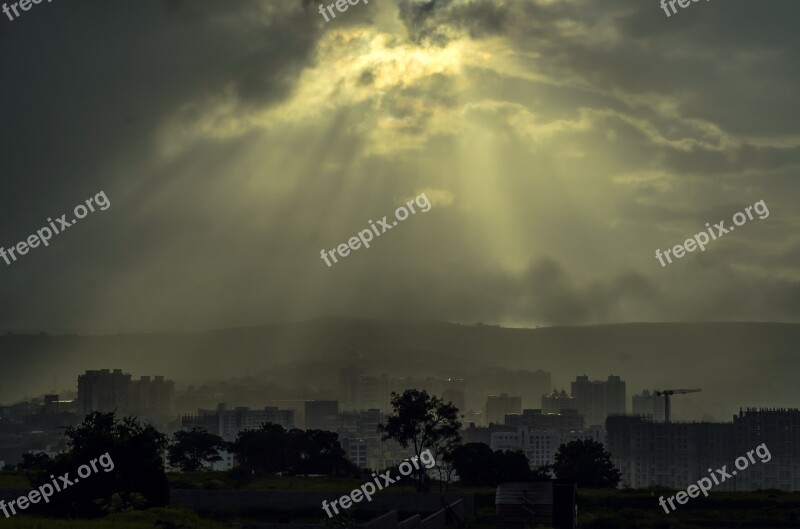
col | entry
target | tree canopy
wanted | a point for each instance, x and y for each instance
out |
(422, 421)
(477, 465)
(271, 449)
(586, 462)
(474, 464)
(195, 449)
(132, 477)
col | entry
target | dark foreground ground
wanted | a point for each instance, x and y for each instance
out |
(597, 509)
(638, 509)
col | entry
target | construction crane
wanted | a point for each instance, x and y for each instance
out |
(667, 393)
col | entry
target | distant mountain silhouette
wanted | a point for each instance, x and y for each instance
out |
(736, 364)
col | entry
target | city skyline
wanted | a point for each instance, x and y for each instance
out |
(649, 451)
(305, 356)
(112, 389)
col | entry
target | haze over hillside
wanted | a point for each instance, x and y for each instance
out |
(736, 364)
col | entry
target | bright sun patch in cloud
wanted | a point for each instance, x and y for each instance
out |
(353, 66)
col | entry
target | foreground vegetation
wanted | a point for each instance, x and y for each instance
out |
(639, 509)
(597, 509)
(162, 517)
(133, 491)
(218, 480)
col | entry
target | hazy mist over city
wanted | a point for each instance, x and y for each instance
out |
(302, 361)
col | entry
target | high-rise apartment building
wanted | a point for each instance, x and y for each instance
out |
(539, 435)
(649, 453)
(104, 390)
(364, 392)
(356, 450)
(51, 404)
(231, 422)
(563, 423)
(151, 396)
(454, 390)
(779, 429)
(557, 402)
(228, 423)
(449, 389)
(361, 427)
(650, 405)
(498, 406)
(599, 399)
(675, 455)
(529, 385)
(321, 415)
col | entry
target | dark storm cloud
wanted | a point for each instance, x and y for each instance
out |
(712, 60)
(571, 137)
(426, 20)
(87, 81)
(85, 87)
(715, 57)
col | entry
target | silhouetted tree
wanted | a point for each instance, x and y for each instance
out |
(445, 464)
(261, 452)
(586, 462)
(130, 470)
(542, 473)
(316, 452)
(478, 465)
(37, 461)
(271, 449)
(195, 449)
(474, 464)
(422, 421)
(511, 466)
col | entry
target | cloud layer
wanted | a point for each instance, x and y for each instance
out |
(561, 143)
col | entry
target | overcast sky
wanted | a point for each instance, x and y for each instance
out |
(560, 141)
